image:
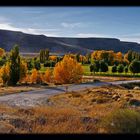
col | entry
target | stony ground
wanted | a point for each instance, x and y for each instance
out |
(37, 96)
(72, 112)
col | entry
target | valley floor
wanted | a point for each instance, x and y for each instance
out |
(80, 111)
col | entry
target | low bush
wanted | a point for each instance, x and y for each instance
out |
(49, 64)
(122, 121)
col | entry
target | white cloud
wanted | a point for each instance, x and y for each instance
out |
(72, 25)
(91, 35)
(6, 25)
(47, 32)
(134, 37)
(129, 39)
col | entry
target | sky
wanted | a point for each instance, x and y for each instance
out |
(110, 22)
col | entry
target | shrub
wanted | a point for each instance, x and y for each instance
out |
(120, 68)
(126, 69)
(114, 68)
(2, 61)
(116, 62)
(37, 64)
(122, 121)
(95, 66)
(49, 64)
(134, 66)
(103, 66)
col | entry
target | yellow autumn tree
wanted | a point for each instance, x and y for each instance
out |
(126, 58)
(34, 75)
(53, 58)
(26, 79)
(23, 70)
(119, 56)
(94, 55)
(2, 52)
(47, 76)
(68, 71)
(5, 73)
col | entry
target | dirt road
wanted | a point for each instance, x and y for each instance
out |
(33, 98)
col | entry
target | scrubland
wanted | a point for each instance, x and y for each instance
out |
(106, 109)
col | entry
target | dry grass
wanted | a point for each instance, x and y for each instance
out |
(96, 102)
(16, 89)
(74, 112)
(109, 79)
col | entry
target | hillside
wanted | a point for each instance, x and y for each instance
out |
(33, 43)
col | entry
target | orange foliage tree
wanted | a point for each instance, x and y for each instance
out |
(27, 79)
(119, 57)
(53, 58)
(68, 71)
(5, 73)
(103, 54)
(36, 77)
(2, 52)
(23, 70)
(96, 55)
(47, 76)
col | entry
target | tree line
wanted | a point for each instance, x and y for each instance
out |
(16, 69)
(100, 60)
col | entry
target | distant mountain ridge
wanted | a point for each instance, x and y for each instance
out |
(33, 43)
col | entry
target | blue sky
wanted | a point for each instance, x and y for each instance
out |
(118, 22)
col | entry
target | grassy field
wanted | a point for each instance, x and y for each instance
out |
(87, 72)
(108, 73)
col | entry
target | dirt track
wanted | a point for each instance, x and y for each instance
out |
(33, 98)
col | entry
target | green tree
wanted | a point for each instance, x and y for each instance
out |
(41, 56)
(126, 69)
(14, 65)
(114, 68)
(46, 55)
(103, 66)
(96, 65)
(93, 68)
(30, 64)
(120, 68)
(130, 55)
(37, 64)
(134, 66)
(2, 61)
(78, 57)
(88, 57)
